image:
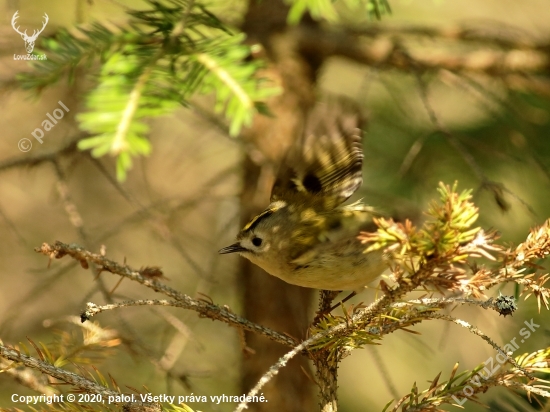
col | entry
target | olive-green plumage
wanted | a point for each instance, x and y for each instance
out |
(305, 236)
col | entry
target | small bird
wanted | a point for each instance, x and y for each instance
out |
(305, 236)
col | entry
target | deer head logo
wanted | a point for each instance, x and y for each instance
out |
(29, 40)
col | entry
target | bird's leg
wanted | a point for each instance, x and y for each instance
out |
(352, 294)
(326, 298)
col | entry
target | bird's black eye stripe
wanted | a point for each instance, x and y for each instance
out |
(256, 241)
(254, 222)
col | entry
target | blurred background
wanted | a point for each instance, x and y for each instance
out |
(477, 111)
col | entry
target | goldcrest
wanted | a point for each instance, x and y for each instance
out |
(305, 236)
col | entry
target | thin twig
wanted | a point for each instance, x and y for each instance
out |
(386, 53)
(32, 161)
(486, 183)
(458, 32)
(209, 310)
(73, 379)
(361, 317)
(28, 378)
(483, 336)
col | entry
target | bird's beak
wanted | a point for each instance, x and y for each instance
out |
(235, 247)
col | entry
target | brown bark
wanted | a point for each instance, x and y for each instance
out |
(268, 300)
(327, 376)
(326, 367)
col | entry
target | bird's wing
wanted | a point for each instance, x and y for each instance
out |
(325, 163)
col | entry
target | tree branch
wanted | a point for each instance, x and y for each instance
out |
(75, 380)
(59, 249)
(386, 52)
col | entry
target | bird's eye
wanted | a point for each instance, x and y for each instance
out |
(257, 241)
